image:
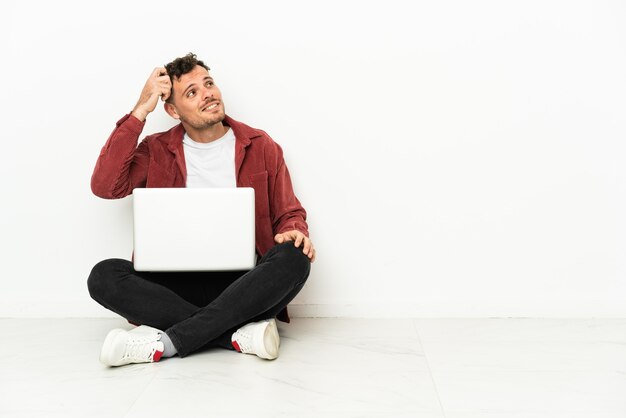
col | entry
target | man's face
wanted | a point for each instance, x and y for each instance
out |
(196, 100)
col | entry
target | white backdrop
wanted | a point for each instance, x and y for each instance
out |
(456, 158)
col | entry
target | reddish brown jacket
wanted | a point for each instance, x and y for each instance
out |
(159, 161)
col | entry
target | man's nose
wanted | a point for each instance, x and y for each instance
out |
(207, 93)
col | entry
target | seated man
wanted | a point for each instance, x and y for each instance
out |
(179, 312)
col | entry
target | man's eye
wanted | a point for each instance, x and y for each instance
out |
(209, 83)
(191, 93)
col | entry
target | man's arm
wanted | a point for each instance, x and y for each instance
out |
(288, 215)
(122, 165)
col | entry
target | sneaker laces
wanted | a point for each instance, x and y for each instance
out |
(141, 347)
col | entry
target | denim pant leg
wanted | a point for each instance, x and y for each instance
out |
(159, 300)
(258, 294)
(224, 340)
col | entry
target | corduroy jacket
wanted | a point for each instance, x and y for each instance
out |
(159, 161)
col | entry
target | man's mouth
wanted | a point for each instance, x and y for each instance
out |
(210, 107)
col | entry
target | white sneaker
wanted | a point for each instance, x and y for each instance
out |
(145, 329)
(122, 347)
(259, 338)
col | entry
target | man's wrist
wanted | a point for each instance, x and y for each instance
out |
(139, 114)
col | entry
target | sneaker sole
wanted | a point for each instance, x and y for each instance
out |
(271, 341)
(107, 347)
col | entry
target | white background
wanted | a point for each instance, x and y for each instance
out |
(456, 158)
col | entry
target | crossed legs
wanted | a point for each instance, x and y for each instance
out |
(201, 309)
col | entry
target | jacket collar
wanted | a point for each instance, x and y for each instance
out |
(243, 136)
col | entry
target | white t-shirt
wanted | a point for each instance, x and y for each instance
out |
(211, 164)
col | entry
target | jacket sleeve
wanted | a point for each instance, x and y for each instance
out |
(122, 165)
(287, 212)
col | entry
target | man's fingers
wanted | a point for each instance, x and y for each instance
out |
(165, 87)
(164, 82)
(298, 237)
(161, 82)
(287, 236)
(159, 71)
(307, 246)
(298, 240)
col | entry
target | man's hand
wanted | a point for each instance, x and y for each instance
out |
(158, 84)
(298, 238)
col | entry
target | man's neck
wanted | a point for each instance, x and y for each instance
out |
(206, 135)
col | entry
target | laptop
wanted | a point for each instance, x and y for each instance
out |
(197, 229)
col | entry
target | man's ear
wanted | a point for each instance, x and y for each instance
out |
(171, 110)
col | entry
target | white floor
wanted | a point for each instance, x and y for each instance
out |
(492, 368)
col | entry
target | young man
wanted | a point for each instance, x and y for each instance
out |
(181, 313)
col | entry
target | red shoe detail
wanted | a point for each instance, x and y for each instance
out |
(236, 346)
(157, 355)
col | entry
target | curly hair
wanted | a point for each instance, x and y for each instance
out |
(183, 65)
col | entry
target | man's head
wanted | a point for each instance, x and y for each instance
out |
(195, 99)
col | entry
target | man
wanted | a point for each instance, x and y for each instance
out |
(181, 313)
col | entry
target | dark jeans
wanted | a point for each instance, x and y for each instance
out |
(201, 309)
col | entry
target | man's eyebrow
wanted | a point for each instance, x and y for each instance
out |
(188, 87)
(208, 77)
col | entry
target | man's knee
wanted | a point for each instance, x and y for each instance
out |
(101, 281)
(293, 259)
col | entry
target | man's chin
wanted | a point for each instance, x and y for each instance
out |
(215, 119)
(206, 122)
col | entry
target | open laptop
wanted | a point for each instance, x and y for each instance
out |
(203, 229)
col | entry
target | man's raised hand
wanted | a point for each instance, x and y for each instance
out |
(157, 85)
